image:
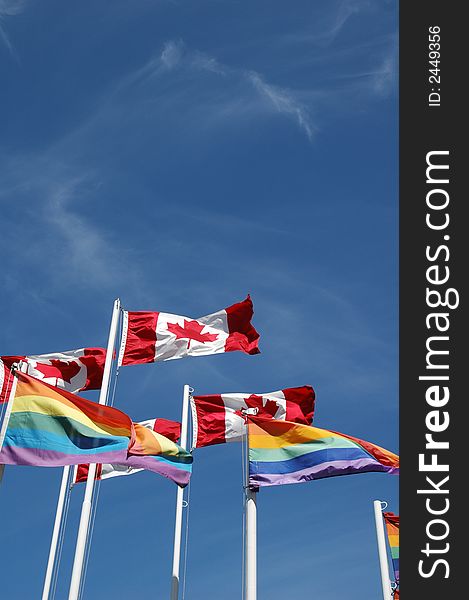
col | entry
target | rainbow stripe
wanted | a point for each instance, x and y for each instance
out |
(282, 452)
(392, 528)
(51, 427)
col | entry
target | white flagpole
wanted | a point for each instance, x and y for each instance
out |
(6, 417)
(179, 501)
(55, 533)
(22, 366)
(383, 556)
(86, 506)
(250, 524)
(250, 538)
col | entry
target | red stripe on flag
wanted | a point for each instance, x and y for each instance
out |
(82, 473)
(7, 379)
(140, 346)
(391, 518)
(242, 335)
(300, 404)
(385, 457)
(170, 429)
(210, 420)
(11, 360)
(93, 359)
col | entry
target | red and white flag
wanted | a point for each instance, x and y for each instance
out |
(6, 381)
(73, 370)
(170, 429)
(221, 418)
(152, 336)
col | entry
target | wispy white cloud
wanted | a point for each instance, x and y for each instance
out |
(197, 87)
(172, 53)
(235, 92)
(87, 251)
(9, 8)
(384, 78)
(204, 62)
(380, 80)
(322, 32)
(172, 56)
(233, 99)
(284, 102)
(345, 11)
(72, 249)
(327, 25)
(175, 54)
(12, 7)
(236, 99)
(209, 94)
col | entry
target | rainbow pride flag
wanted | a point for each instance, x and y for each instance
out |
(392, 527)
(50, 427)
(155, 452)
(282, 452)
(171, 460)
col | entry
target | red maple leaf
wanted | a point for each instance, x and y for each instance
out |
(263, 410)
(59, 369)
(192, 330)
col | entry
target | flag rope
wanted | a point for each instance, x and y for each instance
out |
(113, 395)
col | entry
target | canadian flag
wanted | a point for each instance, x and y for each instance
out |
(152, 336)
(221, 418)
(170, 429)
(73, 370)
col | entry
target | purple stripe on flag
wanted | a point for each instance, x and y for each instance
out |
(331, 469)
(14, 455)
(179, 475)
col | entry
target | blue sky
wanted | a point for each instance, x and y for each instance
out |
(180, 155)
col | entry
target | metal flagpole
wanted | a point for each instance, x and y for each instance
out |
(22, 366)
(6, 417)
(251, 544)
(250, 524)
(179, 501)
(55, 533)
(86, 506)
(383, 556)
